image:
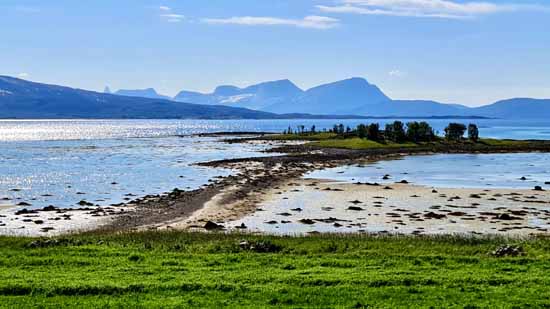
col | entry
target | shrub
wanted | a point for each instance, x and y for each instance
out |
(420, 132)
(373, 132)
(455, 131)
(395, 132)
(361, 131)
(473, 132)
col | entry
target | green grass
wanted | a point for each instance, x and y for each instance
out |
(301, 137)
(504, 142)
(332, 140)
(177, 269)
(359, 143)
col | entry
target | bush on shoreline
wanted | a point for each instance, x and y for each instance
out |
(395, 132)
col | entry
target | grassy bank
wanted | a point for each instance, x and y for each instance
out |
(331, 140)
(154, 269)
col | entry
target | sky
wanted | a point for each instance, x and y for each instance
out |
(452, 51)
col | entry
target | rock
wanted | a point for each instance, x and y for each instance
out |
(386, 177)
(284, 214)
(242, 226)
(434, 191)
(23, 204)
(506, 217)
(508, 250)
(271, 222)
(296, 209)
(85, 203)
(50, 208)
(356, 202)
(538, 188)
(355, 208)
(24, 211)
(433, 215)
(39, 222)
(307, 221)
(404, 181)
(213, 226)
(388, 188)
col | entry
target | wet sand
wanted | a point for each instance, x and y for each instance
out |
(51, 221)
(312, 205)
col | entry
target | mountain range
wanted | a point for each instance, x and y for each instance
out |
(350, 98)
(23, 99)
(354, 96)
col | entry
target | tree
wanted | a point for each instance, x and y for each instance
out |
(426, 132)
(313, 129)
(341, 129)
(455, 131)
(395, 132)
(373, 132)
(420, 132)
(473, 132)
(361, 131)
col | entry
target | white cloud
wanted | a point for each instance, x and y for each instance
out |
(168, 16)
(396, 73)
(173, 18)
(314, 22)
(425, 8)
(23, 75)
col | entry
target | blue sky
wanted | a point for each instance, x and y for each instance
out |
(468, 52)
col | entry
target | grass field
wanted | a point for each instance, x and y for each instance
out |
(359, 143)
(332, 140)
(178, 269)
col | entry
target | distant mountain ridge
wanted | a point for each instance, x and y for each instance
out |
(275, 99)
(355, 96)
(24, 99)
(258, 97)
(143, 93)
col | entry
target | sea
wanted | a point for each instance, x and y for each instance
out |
(62, 162)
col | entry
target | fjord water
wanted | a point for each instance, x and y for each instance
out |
(60, 162)
(513, 171)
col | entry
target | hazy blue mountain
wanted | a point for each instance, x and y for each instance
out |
(143, 93)
(354, 96)
(341, 97)
(256, 97)
(282, 96)
(107, 90)
(517, 108)
(24, 99)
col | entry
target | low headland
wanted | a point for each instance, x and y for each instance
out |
(194, 248)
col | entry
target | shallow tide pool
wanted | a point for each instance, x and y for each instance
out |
(516, 170)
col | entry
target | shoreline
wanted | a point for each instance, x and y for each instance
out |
(231, 198)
